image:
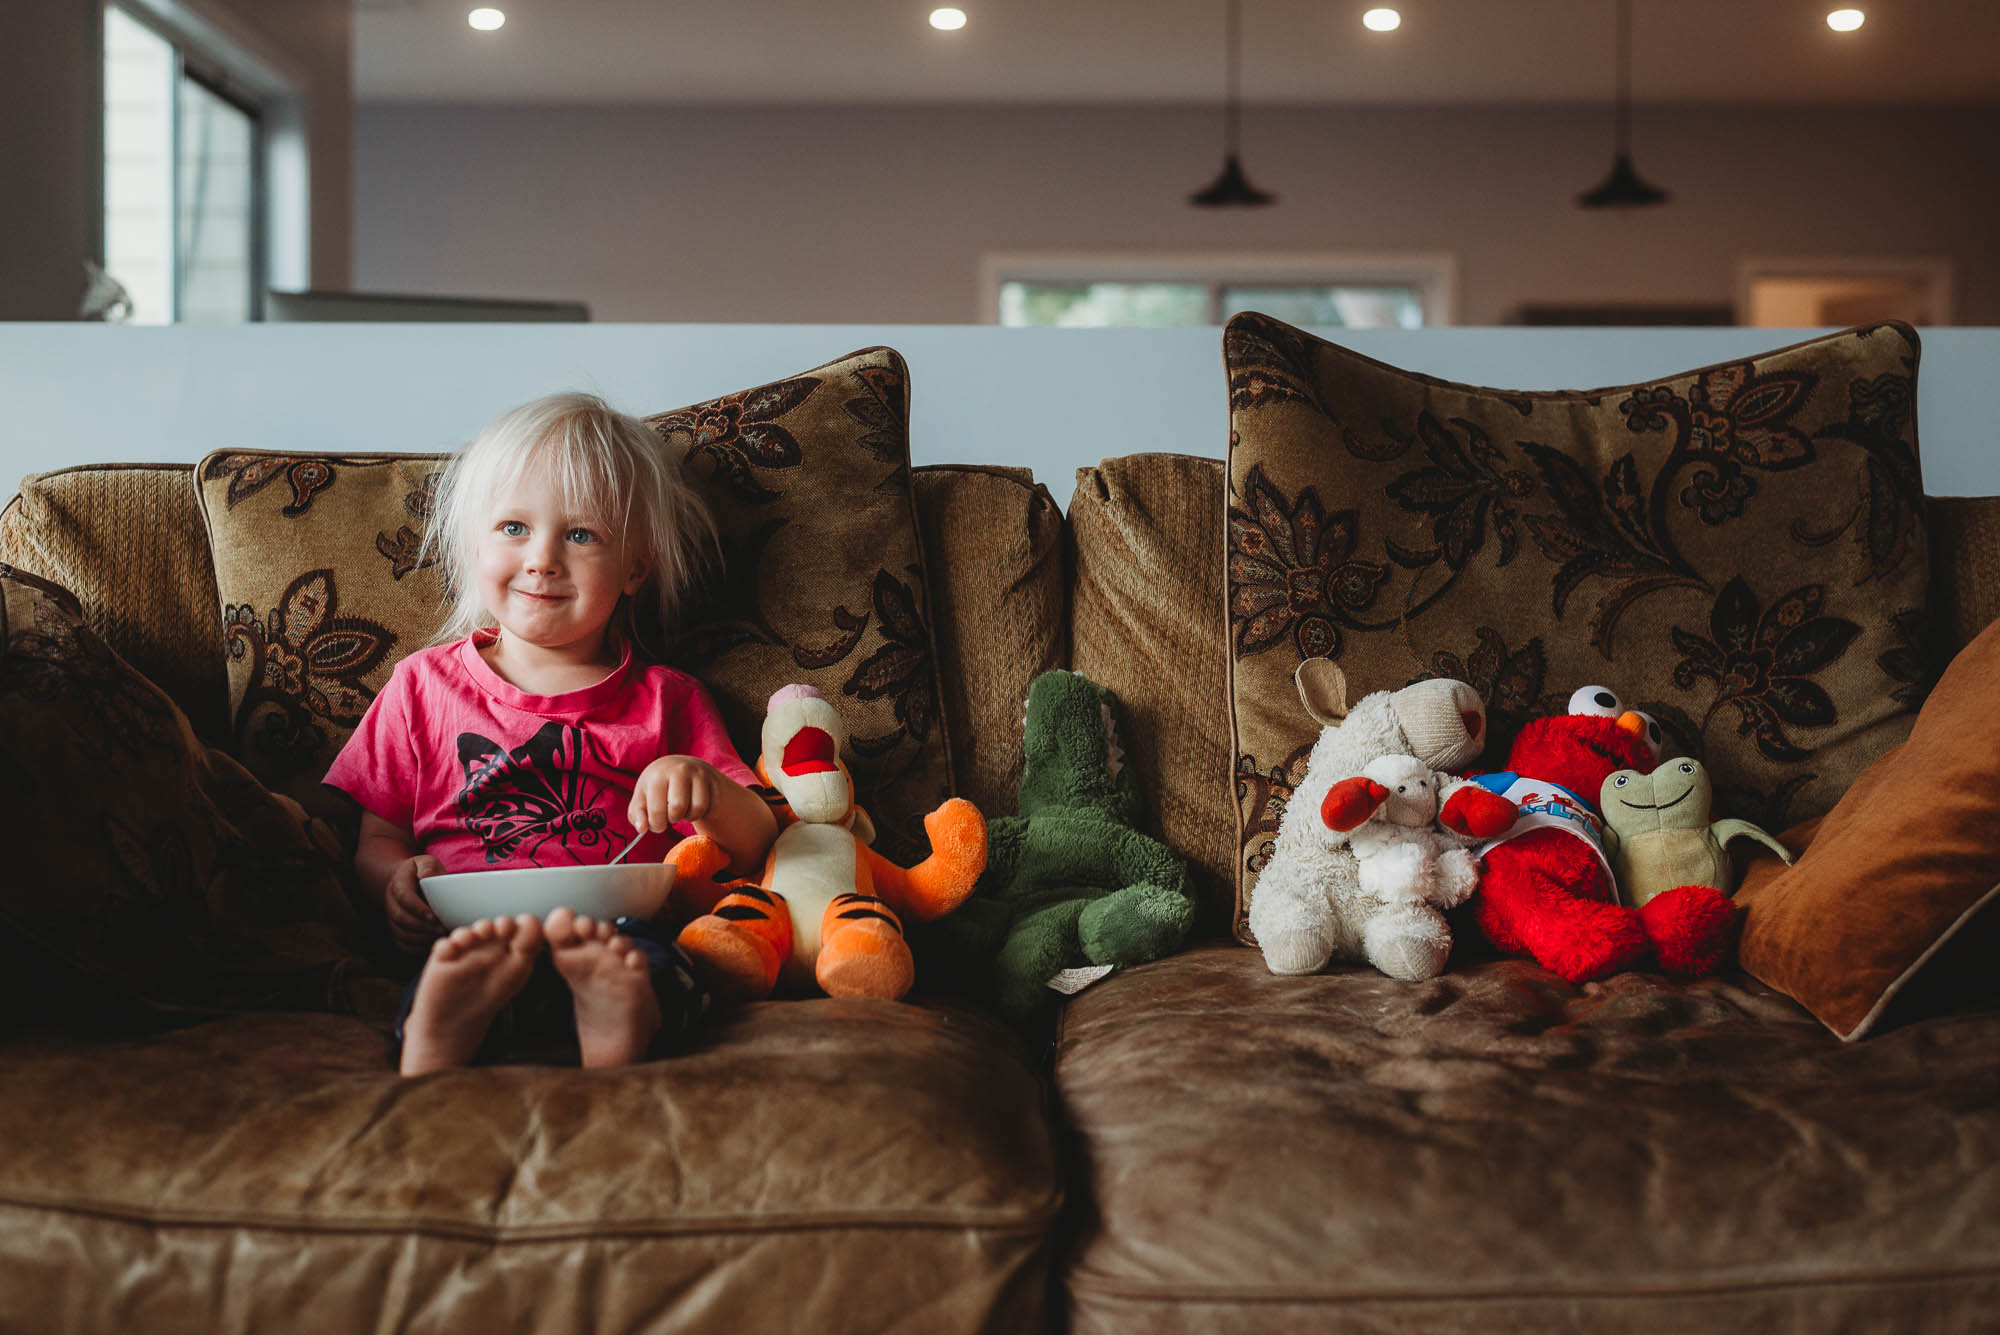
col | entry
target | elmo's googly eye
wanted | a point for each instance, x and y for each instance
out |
(1686, 768)
(1654, 736)
(1621, 781)
(1595, 700)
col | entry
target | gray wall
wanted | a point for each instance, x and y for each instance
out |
(49, 86)
(1051, 400)
(857, 214)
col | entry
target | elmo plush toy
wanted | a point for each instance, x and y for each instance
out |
(1547, 890)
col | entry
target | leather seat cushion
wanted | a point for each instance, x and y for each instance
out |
(1496, 1150)
(821, 1165)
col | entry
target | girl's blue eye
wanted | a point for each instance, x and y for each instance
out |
(582, 536)
(513, 528)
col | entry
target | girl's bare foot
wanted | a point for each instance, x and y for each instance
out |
(611, 986)
(471, 974)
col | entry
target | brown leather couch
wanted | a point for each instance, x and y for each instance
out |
(1201, 1146)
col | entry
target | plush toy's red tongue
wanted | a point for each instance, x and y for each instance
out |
(811, 751)
(1471, 719)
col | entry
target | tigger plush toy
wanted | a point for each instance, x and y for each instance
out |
(824, 911)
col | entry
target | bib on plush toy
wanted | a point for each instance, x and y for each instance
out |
(1544, 805)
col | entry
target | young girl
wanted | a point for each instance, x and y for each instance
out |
(530, 737)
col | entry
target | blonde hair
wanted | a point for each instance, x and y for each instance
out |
(607, 465)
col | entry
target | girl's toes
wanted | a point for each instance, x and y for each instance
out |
(521, 934)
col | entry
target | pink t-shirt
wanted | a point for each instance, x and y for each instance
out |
(488, 776)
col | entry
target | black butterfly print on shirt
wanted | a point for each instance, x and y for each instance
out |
(518, 801)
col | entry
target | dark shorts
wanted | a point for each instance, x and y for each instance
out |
(539, 1024)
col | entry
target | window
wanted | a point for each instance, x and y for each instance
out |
(1337, 291)
(183, 181)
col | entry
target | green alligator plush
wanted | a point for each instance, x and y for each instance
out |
(1071, 881)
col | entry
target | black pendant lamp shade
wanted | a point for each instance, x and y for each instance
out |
(1623, 188)
(1231, 187)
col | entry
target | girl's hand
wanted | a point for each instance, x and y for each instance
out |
(411, 921)
(670, 791)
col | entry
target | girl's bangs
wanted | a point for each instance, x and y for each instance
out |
(582, 464)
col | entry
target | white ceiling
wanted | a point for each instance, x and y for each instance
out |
(859, 51)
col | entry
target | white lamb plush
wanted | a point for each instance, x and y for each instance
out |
(1405, 857)
(1309, 905)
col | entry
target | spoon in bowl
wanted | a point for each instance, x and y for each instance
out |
(630, 844)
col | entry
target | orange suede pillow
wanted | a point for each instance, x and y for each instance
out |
(1907, 857)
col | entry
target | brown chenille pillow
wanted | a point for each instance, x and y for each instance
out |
(1146, 622)
(1739, 551)
(993, 543)
(126, 539)
(1908, 858)
(151, 876)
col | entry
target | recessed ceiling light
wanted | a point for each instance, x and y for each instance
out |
(1382, 20)
(947, 20)
(486, 20)
(1845, 20)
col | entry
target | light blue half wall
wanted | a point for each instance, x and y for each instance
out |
(1049, 399)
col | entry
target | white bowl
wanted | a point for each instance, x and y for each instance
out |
(638, 889)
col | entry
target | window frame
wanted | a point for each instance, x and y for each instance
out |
(218, 85)
(1433, 275)
(261, 86)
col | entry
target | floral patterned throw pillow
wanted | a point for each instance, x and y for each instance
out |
(322, 594)
(823, 578)
(1738, 551)
(153, 876)
(822, 582)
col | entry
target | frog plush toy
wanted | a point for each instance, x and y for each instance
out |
(1071, 880)
(1660, 835)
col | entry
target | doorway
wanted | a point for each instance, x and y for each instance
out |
(1808, 293)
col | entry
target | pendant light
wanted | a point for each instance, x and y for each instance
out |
(1623, 188)
(1231, 187)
